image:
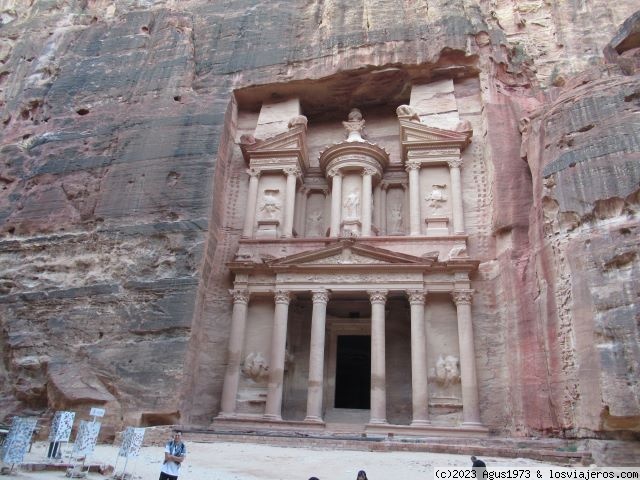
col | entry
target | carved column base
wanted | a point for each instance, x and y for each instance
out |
(313, 419)
(421, 423)
(437, 225)
(353, 227)
(268, 228)
(272, 418)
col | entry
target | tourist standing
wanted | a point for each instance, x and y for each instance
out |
(174, 454)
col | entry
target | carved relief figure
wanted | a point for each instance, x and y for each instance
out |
(437, 197)
(255, 367)
(352, 204)
(270, 204)
(395, 219)
(447, 371)
(408, 112)
(314, 223)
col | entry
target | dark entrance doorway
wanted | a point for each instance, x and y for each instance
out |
(353, 372)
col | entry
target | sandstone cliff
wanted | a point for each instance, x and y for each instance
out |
(119, 170)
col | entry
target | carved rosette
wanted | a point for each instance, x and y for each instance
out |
(240, 296)
(462, 297)
(412, 165)
(282, 296)
(455, 163)
(378, 296)
(320, 296)
(416, 297)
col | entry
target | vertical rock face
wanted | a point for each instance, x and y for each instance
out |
(122, 189)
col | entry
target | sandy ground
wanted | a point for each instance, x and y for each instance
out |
(243, 461)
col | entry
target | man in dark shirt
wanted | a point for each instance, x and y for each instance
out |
(479, 467)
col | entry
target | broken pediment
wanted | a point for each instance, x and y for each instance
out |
(351, 253)
(289, 144)
(418, 136)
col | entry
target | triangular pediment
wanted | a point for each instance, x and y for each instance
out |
(414, 134)
(292, 143)
(348, 252)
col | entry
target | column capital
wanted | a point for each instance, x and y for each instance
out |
(320, 296)
(253, 172)
(334, 172)
(416, 297)
(240, 295)
(291, 171)
(282, 296)
(462, 297)
(378, 296)
(412, 165)
(455, 163)
(369, 171)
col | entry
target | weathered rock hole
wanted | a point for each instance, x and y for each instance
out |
(625, 231)
(634, 96)
(620, 261)
(24, 137)
(608, 208)
(154, 419)
(145, 29)
(569, 221)
(100, 334)
(177, 98)
(11, 230)
(82, 111)
(172, 178)
(586, 128)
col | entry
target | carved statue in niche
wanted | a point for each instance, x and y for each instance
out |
(255, 367)
(395, 218)
(354, 125)
(437, 198)
(315, 223)
(351, 205)
(270, 205)
(459, 251)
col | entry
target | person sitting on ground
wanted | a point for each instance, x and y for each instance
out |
(362, 475)
(477, 462)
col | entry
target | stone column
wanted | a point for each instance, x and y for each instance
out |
(316, 356)
(378, 358)
(303, 211)
(290, 200)
(273, 407)
(456, 195)
(252, 200)
(419, 383)
(367, 173)
(470, 402)
(336, 202)
(413, 168)
(376, 209)
(383, 207)
(234, 355)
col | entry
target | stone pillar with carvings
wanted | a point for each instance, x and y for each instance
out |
(316, 356)
(336, 202)
(456, 195)
(250, 214)
(234, 356)
(468, 379)
(367, 187)
(378, 357)
(419, 384)
(413, 168)
(273, 408)
(290, 200)
(377, 213)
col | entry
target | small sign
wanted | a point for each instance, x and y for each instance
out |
(97, 412)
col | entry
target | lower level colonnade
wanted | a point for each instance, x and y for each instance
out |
(419, 304)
